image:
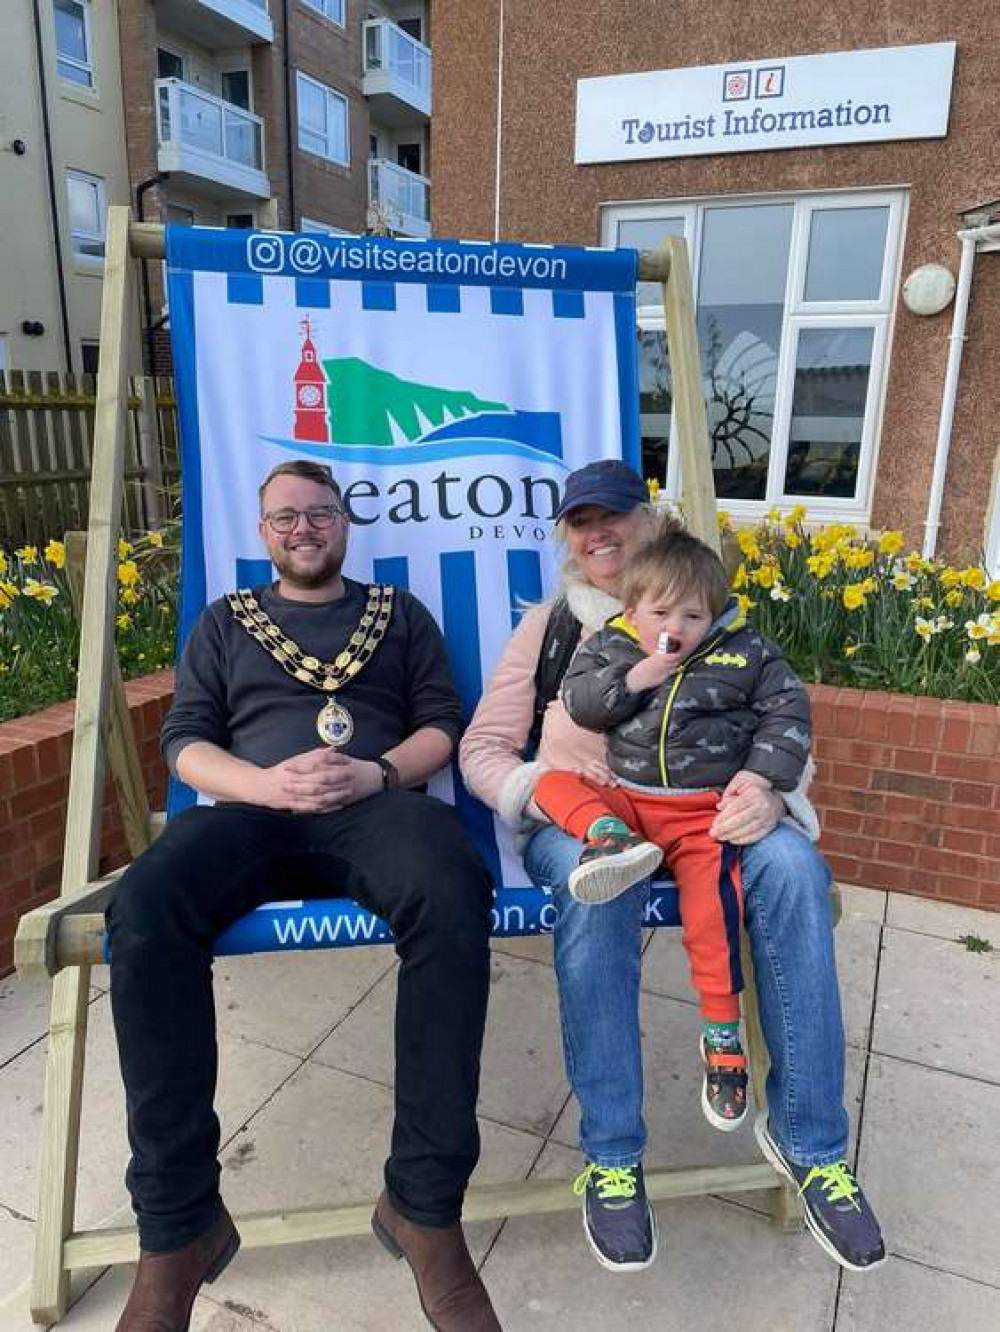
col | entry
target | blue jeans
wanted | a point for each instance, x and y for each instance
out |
(786, 887)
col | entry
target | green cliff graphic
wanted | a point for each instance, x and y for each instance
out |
(370, 406)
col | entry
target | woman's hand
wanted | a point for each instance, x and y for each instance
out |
(748, 810)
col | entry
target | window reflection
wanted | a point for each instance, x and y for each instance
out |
(741, 302)
(655, 403)
(832, 370)
(648, 234)
(846, 253)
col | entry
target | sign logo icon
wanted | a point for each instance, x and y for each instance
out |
(736, 85)
(770, 81)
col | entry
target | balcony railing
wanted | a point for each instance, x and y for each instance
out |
(396, 64)
(204, 135)
(217, 24)
(398, 198)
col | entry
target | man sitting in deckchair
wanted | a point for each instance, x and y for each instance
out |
(308, 709)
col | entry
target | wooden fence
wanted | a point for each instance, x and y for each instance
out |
(46, 444)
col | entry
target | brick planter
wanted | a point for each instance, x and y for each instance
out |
(34, 782)
(908, 793)
(907, 790)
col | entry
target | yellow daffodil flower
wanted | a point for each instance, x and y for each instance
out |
(130, 596)
(792, 539)
(853, 596)
(724, 521)
(890, 543)
(925, 628)
(747, 542)
(124, 621)
(950, 578)
(55, 554)
(27, 554)
(744, 603)
(155, 539)
(851, 648)
(124, 548)
(3, 563)
(780, 593)
(902, 581)
(774, 515)
(973, 577)
(128, 573)
(954, 597)
(924, 603)
(796, 514)
(8, 591)
(740, 577)
(45, 592)
(766, 576)
(859, 557)
(973, 655)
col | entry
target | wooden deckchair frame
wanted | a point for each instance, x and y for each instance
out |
(63, 938)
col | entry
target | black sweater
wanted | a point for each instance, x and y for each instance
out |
(231, 692)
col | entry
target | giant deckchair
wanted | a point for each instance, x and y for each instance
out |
(62, 939)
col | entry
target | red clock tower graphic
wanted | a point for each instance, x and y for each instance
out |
(310, 394)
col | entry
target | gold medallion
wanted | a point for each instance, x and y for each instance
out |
(335, 724)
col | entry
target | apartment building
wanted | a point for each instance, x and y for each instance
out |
(819, 162)
(296, 114)
(62, 162)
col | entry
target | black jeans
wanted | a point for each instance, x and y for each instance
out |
(401, 854)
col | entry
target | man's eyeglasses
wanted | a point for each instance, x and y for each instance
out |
(319, 516)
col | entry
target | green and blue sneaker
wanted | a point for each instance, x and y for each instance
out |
(836, 1210)
(618, 1219)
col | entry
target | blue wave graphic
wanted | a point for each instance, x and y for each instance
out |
(414, 454)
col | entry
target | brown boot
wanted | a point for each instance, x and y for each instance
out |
(166, 1283)
(452, 1295)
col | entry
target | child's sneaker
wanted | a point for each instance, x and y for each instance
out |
(617, 1217)
(724, 1090)
(837, 1213)
(610, 863)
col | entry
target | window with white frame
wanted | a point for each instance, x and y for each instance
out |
(331, 9)
(73, 51)
(88, 215)
(793, 297)
(322, 120)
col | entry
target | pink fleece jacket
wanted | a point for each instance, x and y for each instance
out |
(491, 749)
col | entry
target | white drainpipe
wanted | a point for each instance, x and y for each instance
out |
(970, 240)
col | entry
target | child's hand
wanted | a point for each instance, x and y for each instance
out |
(651, 671)
(740, 782)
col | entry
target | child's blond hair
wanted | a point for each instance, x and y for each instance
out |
(675, 565)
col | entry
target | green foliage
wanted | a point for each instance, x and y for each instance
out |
(974, 943)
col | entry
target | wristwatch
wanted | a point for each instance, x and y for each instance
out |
(390, 774)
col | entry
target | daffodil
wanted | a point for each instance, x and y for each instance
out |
(747, 542)
(973, 577)
(902, 580)
(973, 655)
(55, 554)
(950, 578)
(792, 539)
(740, 577)
(128, 573)
(859, 557)
(46, 592)
(942, 623)
(850, 648)
(821, 565)
(774, 515)
(853, 596)
(925, 628)
(796, 514)
(954, 597)
(744, 603)
(130, 596)
(890, 543)
(124, 548)
(27, 554)
(924, 603)
(124, 621)
(780, 593)
(8, 591)
(766, 576)
(3, 563)
(724, 521)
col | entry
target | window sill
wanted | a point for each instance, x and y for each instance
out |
(339, 168)
(88, 97)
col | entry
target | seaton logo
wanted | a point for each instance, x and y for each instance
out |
(350, 412)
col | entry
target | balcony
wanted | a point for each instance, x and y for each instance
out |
(397, 75)
(208, 145)
(398, 199)
(217, 24)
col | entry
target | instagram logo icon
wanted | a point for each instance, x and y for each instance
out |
(265, 254)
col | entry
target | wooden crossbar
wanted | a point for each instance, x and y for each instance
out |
(63, 938)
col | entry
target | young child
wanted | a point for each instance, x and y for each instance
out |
(693, 701)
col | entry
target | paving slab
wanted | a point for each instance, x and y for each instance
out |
(522, 1083)
(937, 1005)
(928, 1155)
(944, 919)
(904, 1295)
(24, 1014)
(533, 948)
(861, 903)
(712, 1260)
(248, 1073)
(291, 1001)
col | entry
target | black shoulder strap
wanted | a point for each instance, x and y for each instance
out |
(562, 634)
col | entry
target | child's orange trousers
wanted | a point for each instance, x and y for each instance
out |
(706, 871)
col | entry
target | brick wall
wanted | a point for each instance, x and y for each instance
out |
(907, 790)
(908, 793)
(34, 781)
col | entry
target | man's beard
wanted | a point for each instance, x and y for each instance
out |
(307, 579)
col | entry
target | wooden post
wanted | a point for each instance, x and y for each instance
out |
(68, 1022)
(148, 425)
(689, 398)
